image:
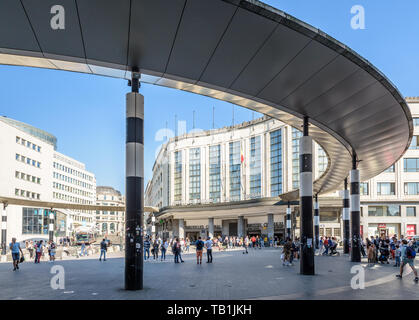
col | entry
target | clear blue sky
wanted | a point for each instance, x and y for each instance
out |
(86, 113)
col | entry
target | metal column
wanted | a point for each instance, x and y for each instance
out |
(288, 221)
(316, 221)
(306, 203)
(211, 228)
(355, 212)
(51, 226)
(4, 229)
(134, 187)
(345, 218)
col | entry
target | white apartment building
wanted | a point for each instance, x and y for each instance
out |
(31, 168)
(109, 222)
(218, 176)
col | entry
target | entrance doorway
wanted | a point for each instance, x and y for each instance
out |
(232, 229)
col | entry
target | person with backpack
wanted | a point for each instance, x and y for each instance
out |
(408, 255)
(199, 246)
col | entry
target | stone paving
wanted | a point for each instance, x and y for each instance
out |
(233, 275)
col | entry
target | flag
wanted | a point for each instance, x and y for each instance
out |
(241, 154)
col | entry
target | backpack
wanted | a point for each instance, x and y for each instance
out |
(410, 253)
(199, 245)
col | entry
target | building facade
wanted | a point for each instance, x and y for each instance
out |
(227, 181)
(31, 168)
(109, 222)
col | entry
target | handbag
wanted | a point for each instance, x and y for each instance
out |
(22, 258)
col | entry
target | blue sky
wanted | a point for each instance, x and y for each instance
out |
(86, 113)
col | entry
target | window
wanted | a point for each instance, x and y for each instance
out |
(16, 192)
(17, 174)
(17, 140)
(331, 216)
(195, 174)
(411, 164)
(17, 157)
(35, 221)
(255, 168)
(178, 176)
(235, 170)
(391, 210)
(322, 161)
(336, 232)
(414, 145)
(411, 188)
(385, 188)
(411, 211)
(363, 188)
(296, 135)
(276, 163)
(215, 173)
(416, 122)
(28, 161)
(390, 169)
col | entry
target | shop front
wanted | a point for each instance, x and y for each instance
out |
(410, 230)
(383, 229)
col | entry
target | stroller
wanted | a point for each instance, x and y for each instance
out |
(384, 255)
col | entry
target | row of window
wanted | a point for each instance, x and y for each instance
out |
(28, 161)
(389, 188)
(79, 192)
(28, 144)
(36, 221)
(76, 173)
(65, 197)
(27, 194)
(79, 183)
(27, 177)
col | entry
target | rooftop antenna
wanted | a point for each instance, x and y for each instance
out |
(213, 111)
(176, 126)
(233, 116)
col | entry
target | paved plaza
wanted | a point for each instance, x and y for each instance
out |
(233, 275)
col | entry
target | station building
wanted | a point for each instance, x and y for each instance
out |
(228, 181)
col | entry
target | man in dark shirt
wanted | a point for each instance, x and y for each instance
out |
(146, 248)
(199, 247)
(103, 249)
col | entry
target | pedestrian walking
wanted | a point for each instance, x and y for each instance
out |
(16, 251)
(164, 247)
(199, 247)
(103, 249)
(38, 251)
(408, 255)
(208, 246)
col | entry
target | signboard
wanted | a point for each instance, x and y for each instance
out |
(381, 225)
(410, 229)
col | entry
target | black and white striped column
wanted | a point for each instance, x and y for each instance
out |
(306, 203)
(345, 218)
(288, 221)
(316, 221)
(355, 213)
(4, 229)
(51, 226)
(134, 188)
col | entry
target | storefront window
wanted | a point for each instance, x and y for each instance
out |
(336, 232)
(391, 210)
(329, 216)
(35, 221)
